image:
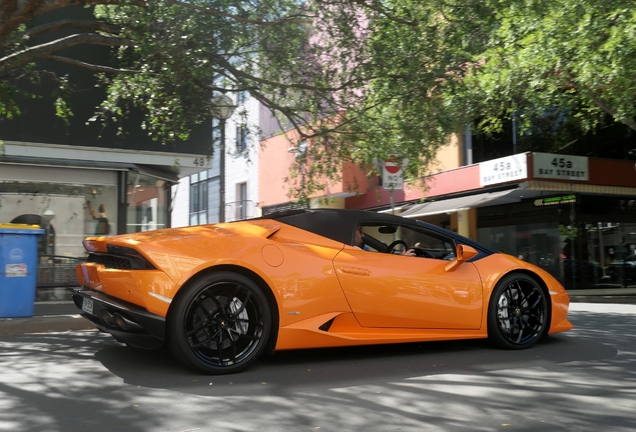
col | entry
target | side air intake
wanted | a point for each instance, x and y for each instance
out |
(326, 326)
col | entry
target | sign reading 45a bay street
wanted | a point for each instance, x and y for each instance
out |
(505, 169)
(561, 167)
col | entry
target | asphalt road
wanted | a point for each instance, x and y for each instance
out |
(582, 380)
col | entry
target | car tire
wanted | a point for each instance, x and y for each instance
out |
(518, 312)
(220, 324)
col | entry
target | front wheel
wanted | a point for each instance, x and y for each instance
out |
(220, 325)
(518, 312)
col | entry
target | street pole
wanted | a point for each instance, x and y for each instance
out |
(514, 133)
(222, 172)
(392, 206)
(223, 108)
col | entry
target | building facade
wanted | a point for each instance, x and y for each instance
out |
(197, 196)
(78, 191)
(574, 216)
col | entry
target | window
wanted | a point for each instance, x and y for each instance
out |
(302, 147)
(241, 138)
(146, 208)
(241, 204)
(199, 199)
(63, 210)
(425, 244)
(241, 97)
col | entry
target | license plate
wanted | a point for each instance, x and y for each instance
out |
(87, 305)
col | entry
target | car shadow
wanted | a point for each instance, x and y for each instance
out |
(322, 368)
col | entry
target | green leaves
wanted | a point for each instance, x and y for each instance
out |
(561, 54)
(561, 68)
(359, 80)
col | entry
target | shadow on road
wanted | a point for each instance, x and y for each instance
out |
(579, 380)
(323, 368)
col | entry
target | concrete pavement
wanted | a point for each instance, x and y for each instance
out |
(47, 317)
(581, 380)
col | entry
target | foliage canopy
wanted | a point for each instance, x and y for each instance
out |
(360, 78)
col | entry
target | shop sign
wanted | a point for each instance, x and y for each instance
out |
(505, 169)
(556, 200)
(560, 167)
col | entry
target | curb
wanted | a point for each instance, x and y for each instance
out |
(627, 299)
(44, 324)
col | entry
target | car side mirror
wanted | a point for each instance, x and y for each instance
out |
(462, 253)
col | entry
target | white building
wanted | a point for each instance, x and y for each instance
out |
(196, 198)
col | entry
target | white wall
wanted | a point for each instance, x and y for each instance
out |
(181, 203)
(242, 167)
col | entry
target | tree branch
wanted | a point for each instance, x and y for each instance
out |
(602, 104)
(92, 67)
(77, 24)
(239, 73)
(14, 13)
(47, 49)
(377, 7)
(288, 20)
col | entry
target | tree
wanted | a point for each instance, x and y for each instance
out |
(305, 61)
(359, 79)
(577, 56)
(169, 57)
(411, 58)
(563, 70)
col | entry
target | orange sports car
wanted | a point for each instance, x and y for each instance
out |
(220, 295)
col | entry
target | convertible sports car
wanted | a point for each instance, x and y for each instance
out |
(219, 295)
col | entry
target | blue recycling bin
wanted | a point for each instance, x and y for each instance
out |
(18, 269)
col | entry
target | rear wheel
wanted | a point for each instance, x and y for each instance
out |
(518, 312)
(220, 325)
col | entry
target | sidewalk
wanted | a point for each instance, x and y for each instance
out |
(57, 316)
(54, 312)
(59, 313)
(604, 295)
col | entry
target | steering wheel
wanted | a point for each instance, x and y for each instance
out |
(422, 253)
(391, 247)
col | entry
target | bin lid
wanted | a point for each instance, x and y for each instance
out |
(11, 228)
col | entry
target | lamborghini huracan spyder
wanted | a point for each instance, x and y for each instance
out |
(220, 295)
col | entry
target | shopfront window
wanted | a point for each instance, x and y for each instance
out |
(577, 245)
(537, 243)
(611, 249)
(146, 203)
(63, 210)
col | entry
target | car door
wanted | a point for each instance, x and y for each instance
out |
(392, 290)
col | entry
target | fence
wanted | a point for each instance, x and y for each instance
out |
(57, 271)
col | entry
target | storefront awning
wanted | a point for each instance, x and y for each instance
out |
(162, 173)
(170, 177)
(453, 205)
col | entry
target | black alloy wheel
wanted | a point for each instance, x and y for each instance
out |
(220, 325)
(518, 312)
